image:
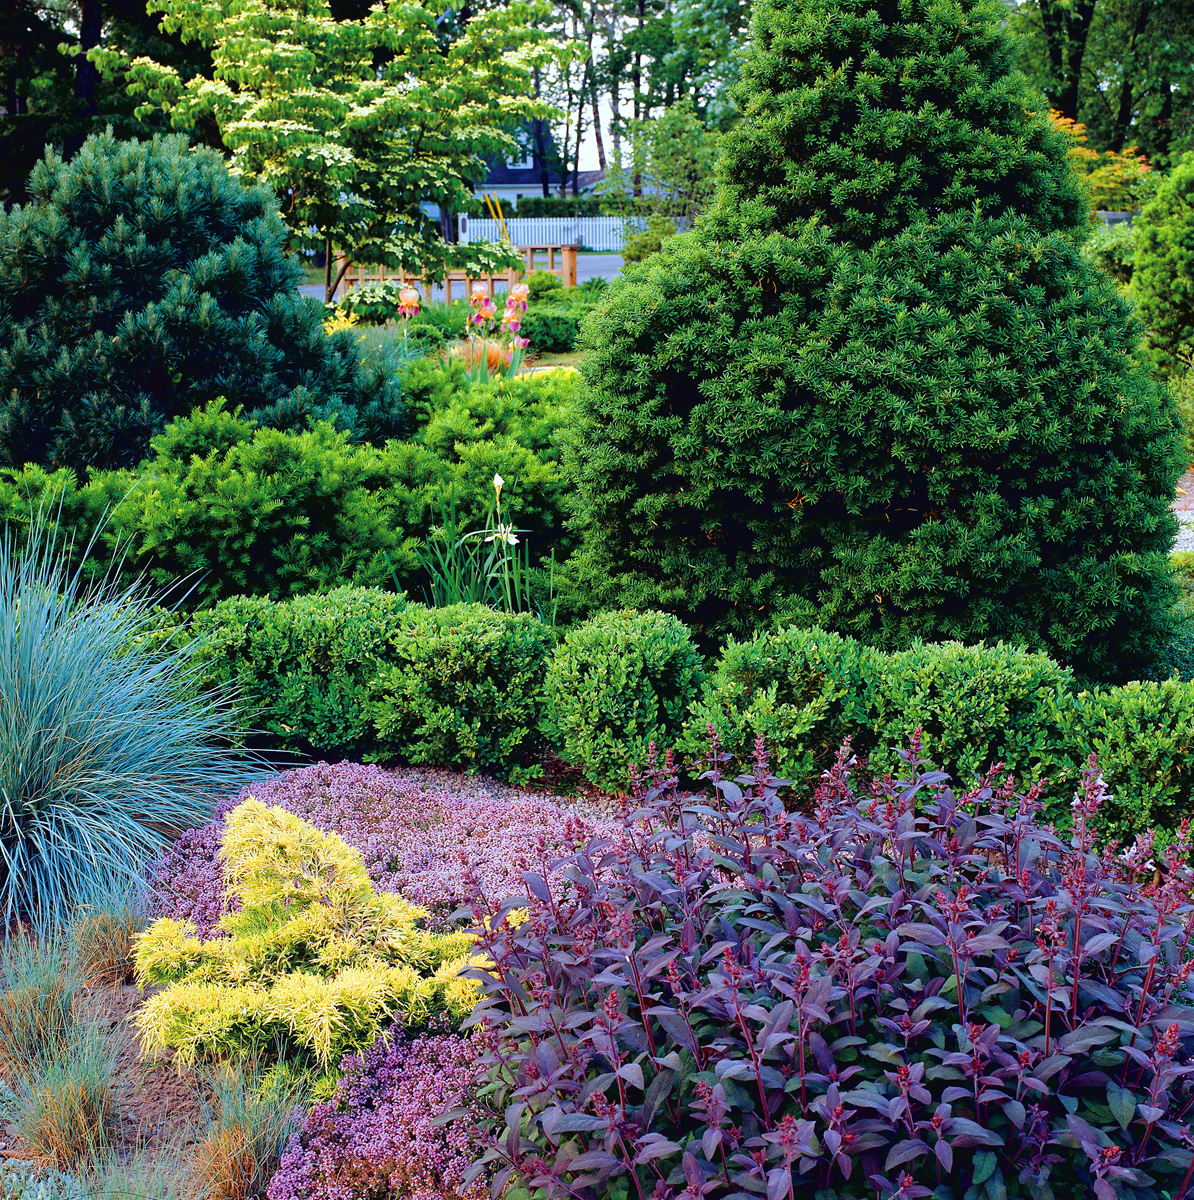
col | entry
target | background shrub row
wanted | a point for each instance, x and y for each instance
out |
(364, 674)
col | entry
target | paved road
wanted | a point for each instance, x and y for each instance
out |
(588, 266)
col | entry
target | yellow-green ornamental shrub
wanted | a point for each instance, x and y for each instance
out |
(313, 965)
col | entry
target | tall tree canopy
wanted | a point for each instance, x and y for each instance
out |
(1124, 68)
(362, 125)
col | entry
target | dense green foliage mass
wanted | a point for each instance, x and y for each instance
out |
(140, 281)
(238, 508)
(879, 388)
(1163, 281)
(616, 686)
(805, 691)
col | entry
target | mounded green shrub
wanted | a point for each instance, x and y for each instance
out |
(301, 669)
(1163, 280)
(1143, 734)
(616, 684)
(462, 685)
(552, 328)
(804, 691)
(976, 705)
(879, 388)
(140, 281)
(243, 509)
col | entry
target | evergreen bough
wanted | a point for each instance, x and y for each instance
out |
(878, 388)
(141, 281)
(1163, 280)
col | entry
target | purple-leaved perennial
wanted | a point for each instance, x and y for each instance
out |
(898, 991)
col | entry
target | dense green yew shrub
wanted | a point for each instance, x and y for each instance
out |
(878, 388)
(261, 511)
(1163, 280)
(141, 280)
(461, 685)
(301, 669)
(616, 684)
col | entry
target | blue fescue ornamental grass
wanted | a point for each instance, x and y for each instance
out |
(107, 745)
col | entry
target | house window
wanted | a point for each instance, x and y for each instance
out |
(523, 162)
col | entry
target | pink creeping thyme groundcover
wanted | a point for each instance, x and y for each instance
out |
(380, 1130)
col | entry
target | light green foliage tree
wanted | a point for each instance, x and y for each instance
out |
(1163, 281)
(312, 965)
(669, 177)
(356, 124)
(1124, 68)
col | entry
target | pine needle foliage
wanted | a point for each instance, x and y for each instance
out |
(878, 389)
(141, 281)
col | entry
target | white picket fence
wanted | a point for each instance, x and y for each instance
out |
(598, 233)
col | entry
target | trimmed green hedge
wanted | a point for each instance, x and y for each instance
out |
(302, 669)
(806, 691)
(617, 684)
(361, 673)
(461, 685)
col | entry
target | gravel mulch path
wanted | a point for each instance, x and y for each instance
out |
(1183, 509)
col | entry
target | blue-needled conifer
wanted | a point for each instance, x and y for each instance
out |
(142, 281)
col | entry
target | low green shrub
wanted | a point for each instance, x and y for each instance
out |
(240, 509)
(1143, 734)
(616, 684)
(461, 685)
(976, 705)
(803, 690)
(301, 668)
(544, 286)
(552, 328)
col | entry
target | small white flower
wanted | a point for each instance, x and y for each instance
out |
(505, 533)
(498, 484)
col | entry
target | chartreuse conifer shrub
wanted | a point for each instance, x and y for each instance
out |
(878, 388)
(140, 281)
(313, 964)
(1163, 281)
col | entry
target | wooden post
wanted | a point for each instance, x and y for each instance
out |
(569, 266)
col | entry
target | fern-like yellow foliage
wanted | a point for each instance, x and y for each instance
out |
(312, 965)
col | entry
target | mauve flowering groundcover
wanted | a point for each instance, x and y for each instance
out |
(380, 1135)
(422, 844)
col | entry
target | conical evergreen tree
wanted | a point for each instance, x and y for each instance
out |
(877, 388)
(142, 281)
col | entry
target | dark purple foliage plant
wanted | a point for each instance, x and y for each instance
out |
(899, 992)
